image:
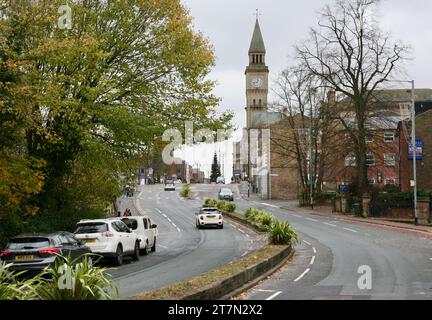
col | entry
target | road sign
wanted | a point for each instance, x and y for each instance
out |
(419, 150)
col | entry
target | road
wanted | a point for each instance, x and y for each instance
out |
(182, 250)
(328, 259)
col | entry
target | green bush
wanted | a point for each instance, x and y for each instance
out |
(210, 202)
(281, 233)
(10, 287)
(229, 207)
(186, 191)
(86, 281)
(251, 213)
(265, 219)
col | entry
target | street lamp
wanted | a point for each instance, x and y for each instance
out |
(413, 142)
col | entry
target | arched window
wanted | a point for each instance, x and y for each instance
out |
(254, 102)
(260, 101)
(261, 58)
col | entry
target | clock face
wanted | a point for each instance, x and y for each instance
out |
(256, 82)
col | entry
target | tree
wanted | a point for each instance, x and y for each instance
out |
(307, 126)
(352, 56)
(82, 106)
(215, 169)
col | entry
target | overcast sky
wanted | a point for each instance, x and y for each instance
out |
(228, 24)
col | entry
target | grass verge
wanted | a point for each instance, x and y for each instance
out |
(182, 290)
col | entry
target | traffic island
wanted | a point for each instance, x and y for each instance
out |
(225, 281)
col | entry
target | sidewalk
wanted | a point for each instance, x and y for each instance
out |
(326, 211)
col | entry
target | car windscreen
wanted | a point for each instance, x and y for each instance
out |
(28, 243)
(99, 227)
(226, 191)
(210, 211)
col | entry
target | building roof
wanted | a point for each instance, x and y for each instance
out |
(257, 43)
(265, 118)
(402, 95)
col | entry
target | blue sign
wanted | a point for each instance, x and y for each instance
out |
(419, 150)
(343, 188)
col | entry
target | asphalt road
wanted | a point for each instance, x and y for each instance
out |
(182, 250)
(327, 261)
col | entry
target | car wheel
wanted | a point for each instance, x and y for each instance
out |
(153, 249)
(144, 251)
(136, 253)
(221, 227)
(118, 260)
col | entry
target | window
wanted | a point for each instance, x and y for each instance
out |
(145, 223)
(370, 160)
(369, 137)
(371, 181)
(389, 160)
(260, 102)
(350, 160)
(254, 102)
(389, 136)
(391, 181)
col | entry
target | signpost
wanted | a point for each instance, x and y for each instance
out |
(419, 150)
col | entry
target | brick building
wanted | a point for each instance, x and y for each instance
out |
(424, 162)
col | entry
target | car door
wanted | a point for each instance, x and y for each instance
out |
(77, 246)
(67, 247)
(148, 232)
(128, 239)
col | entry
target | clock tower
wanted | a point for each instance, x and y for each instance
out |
(256, 77)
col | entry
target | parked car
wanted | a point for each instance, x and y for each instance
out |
(226, 194)
(110, 238)
(208, 216)
(170, 187)
(33, 253)
(146, 231)
(220, 180)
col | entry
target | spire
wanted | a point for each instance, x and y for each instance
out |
(257, 43)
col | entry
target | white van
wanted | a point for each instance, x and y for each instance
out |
(145, 230)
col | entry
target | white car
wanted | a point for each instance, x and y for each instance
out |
(208, 216)
(110, 238)
(146, 231)
(170, 187)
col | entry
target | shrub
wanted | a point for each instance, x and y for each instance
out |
(10, 287)
(229, 207)
(281, 233)
(210, 202)
(86, 282)
(265, 218)
(186, 191)
(251, 213)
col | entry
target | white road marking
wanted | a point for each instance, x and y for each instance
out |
(270, 205)
(430, 259)
(312, 260)
(241, 230)
(175, 226)
(274, 295)
(264, 290)
(158, 210)
(159, 245)
(329, 224)
(307, 242)
(310, 219)
(314, 250)
(296, 215)
(164, 215)
(178, 229)
(169, 220)
(302, 275)
(244, 254)
(351, 230)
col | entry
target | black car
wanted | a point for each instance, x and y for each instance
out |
(32, 253)
(226, 194)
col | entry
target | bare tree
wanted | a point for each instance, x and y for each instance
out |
(352, 56)
(307, 126)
